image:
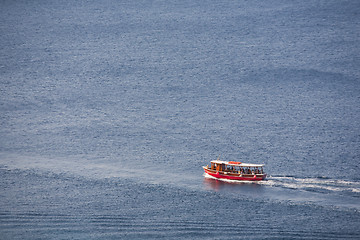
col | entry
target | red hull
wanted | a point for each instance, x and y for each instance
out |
(232, 177)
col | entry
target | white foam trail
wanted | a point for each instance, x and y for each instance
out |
(334, 185)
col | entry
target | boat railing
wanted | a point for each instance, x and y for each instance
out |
(227, 171)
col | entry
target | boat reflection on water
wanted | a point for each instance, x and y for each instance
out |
(214, 184)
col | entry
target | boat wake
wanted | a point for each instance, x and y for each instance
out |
(314, 184)
(306, 184)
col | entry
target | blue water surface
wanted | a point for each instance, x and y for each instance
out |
(109, 109)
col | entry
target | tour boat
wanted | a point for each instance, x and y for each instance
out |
(235, 170)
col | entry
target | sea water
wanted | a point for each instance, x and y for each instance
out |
(109, 109)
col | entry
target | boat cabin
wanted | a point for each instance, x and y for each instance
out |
(236, 167)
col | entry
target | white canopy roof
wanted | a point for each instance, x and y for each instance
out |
(237, 164)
